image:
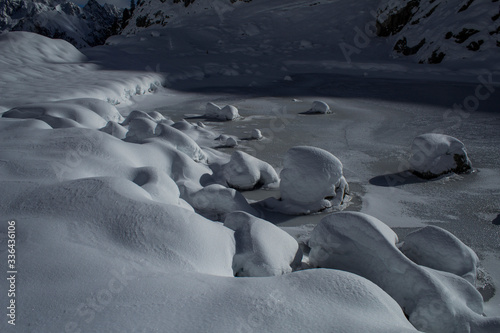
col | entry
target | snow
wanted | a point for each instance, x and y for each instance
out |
(180, 141)
(319, 107)
(115, 129)
(140, 129)
(228, 112)
(214, 201)
(437, 154)
(130, 236)
(262, 249)
(435, 301)
(454, 256)
(256, 134)
(245, 172)
(38, 69)
(311, 180)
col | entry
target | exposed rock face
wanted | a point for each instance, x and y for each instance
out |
(82, 27)
(437, 30)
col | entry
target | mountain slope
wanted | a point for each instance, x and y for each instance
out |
(432, 31)
(82, 27)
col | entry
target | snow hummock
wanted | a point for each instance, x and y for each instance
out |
(245, 172)
(421, 247)
(229, 112)
(437, 154)
(115, 129)
(256, 134)
(86, 112)
(140, 129)
(180, 141)
(311, 180)
(262, 249)
(435, 301)
(319, 107)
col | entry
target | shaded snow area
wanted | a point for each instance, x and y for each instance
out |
(250, 166)
(34, 68)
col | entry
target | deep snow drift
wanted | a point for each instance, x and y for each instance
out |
(38, 69)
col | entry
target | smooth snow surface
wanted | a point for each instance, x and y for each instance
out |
(38, 69)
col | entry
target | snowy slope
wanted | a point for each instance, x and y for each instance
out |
(258, 42)
(34, 68)
(82, 27)
(435, 31)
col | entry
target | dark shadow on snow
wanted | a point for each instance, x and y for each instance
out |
(396, 179)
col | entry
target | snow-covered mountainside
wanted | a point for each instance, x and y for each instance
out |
(432, 31)
(82, 27)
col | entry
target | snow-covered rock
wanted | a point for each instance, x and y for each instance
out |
(136, 114)
(212, 110)
(436, 154)
(245, 172)
(227, 141)
(180, 141)
(439, 249)
(229, 112)
(85, 26)
(256, 134)
(434, 301)
(311, 180)
(140, 129)
(115, 129)
(262, 248)
(319, 107)
(214, 201)
(156, 116)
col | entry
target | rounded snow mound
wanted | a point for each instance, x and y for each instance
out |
(115, 129)
(262, 248)
(433, 300)
(319, 107)
(421, 247)
(140, 129)
(311, 180)
(256, 134)
(434, 155)
(214, 201)
(82, 112)
(229, 112)
(245, 172)
(180, 141)
(38, 48)
(137, 114)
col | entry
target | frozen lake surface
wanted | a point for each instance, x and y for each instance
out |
(370, 130)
